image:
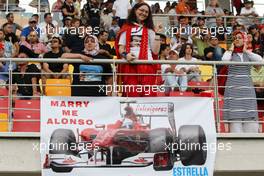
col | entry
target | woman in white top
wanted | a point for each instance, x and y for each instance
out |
(213, 9)
(240, 105)
(193, 72)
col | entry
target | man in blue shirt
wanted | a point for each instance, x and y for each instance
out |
(32, 27)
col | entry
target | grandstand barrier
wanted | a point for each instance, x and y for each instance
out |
(27, 116)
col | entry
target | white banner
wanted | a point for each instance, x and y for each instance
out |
(117, 136)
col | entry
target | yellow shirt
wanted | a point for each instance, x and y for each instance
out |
(257, 75)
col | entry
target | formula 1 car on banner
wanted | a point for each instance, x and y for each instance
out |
(130, 142)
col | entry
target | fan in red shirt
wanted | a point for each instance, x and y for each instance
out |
(137, 40)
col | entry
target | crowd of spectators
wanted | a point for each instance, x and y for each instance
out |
(132, 29)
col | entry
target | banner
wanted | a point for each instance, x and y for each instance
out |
(116, 136)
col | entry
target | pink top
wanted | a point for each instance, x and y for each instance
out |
(38, 48)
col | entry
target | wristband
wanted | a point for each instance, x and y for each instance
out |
(124, 54)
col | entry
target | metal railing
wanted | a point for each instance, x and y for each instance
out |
(212, 86)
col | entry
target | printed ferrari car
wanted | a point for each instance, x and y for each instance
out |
(138, 139)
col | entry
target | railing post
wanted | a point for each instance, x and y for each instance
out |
(115, 86)
(10, 96)
(216, 99)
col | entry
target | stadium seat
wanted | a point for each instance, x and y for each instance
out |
(261, 116)
(182, 94)
(3, 91)
(4, 105)
(58, 87)
(206, 72)
(200, 85)
(3, 122)
(111, 43)
(24, 112)
(224, 127)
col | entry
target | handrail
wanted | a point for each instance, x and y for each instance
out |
(122, 61)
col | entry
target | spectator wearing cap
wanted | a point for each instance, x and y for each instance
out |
(54, 70)
(48, 28)
(32, 27)
(213, 9)
(10, 19)
(248, 12)
(173, 79)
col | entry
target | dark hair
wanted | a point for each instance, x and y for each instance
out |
(183, 49)
(102, 32)
(58, 38)
(163, 47)
(35, 15)
(8, 15)
(4, 25)
(132, 18)
(2, 30)
(47, 14)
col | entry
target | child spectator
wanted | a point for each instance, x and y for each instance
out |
(213, 9)
(192, 71)
(173, 79)
(248, 12)
(8, 46)
(114, 29)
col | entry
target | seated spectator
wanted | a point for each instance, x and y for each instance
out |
(77, 6)
(220, 30)
(68, 9)
(183, 7)
(106, 19)
(34, 45)
(8, 46)
(214, 52)
(102, 38)
(173, 79)
(56, 7)
(192, 71)
(87, 75)
(238, 5)
(179, 41)
(250, 45)
(172, 14)
(32, 27)
(156, 9)
(4, 66)
(47, 28)
(73, 41)
(113, 29)
(11, 37)
(92, 9)
(201, 42)
(54, 70)
(213, 9)
(10, 20)
(257, 75)
(27, 84)
(167, 7)
(248, 12)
